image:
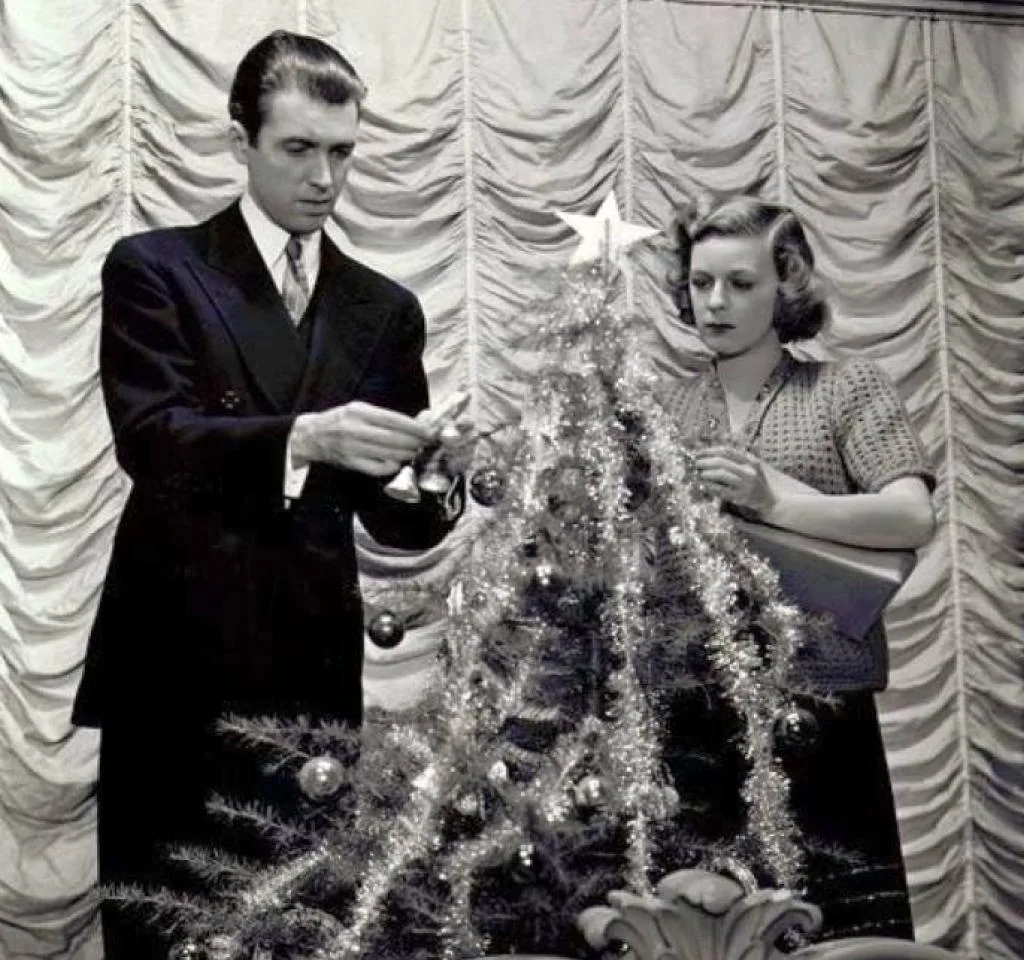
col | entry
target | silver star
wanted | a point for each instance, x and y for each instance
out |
(606, 235)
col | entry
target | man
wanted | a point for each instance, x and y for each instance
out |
(262, 388)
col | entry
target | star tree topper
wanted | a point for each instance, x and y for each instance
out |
(606, 236)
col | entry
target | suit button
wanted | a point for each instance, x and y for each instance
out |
(230, 401)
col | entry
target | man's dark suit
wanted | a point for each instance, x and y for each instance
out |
(218, 597)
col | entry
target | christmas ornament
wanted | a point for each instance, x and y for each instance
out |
(589, 792)
(487, 487)
(386, 629)
(427, 781)
(796, 731)
(498, 774)
(559, 807)
(186, 950)
(433, 479)
(526, 852)
(606, 236)
(544, 574)
(320, 777)
(404, 486)
(470, 805)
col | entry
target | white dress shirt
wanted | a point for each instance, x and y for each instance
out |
(271, 241)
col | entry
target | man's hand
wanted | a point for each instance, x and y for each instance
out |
(359, 436)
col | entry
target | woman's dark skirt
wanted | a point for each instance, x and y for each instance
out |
(841, 798)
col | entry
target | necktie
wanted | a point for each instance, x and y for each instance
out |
(295, 290)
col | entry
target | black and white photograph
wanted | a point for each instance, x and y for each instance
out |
(511, 478)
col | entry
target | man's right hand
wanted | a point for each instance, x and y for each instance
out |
(359, 436)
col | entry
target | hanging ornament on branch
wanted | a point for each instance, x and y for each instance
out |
(498, 774)
(434, 476)
(487, 486)
(471, 805)
(386, 629)
(589, 793)
(796, 733)
(428, 472)
(321, 777)
(186, 950)
(545, 576)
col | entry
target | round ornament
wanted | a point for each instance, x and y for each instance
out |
(320, 777)
(487, 487)
(589, 792)
(469, 805)
(186, 950)
(526, 852)
(544, 574)
(386, 629)
(559, 807)
(796, 732)
(498, 774)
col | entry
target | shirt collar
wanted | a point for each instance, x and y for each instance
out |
(270, 239)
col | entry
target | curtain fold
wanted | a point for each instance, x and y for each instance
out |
(896, 130)
(979, 121)
(58, 491)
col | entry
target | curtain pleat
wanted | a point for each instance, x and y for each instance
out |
(898, 138)
(859, 143)
(703, 127)
(59, 495)
(404, 209)
(980, 145)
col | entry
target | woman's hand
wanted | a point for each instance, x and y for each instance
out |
(739, 477)
(897, 516)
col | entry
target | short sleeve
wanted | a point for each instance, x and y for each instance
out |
(873, 432)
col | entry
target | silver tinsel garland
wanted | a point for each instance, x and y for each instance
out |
(571, 429)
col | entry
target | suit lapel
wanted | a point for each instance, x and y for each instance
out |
(347, 326)
(252, 310)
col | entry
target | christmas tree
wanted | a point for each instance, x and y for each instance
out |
(604, 587)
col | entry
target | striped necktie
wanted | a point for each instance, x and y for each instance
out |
(295, 290)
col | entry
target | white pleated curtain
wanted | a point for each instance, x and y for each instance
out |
(898, 136)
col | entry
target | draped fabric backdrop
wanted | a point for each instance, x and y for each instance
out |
(895, 129)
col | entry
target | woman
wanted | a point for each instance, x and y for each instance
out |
(822, 449)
